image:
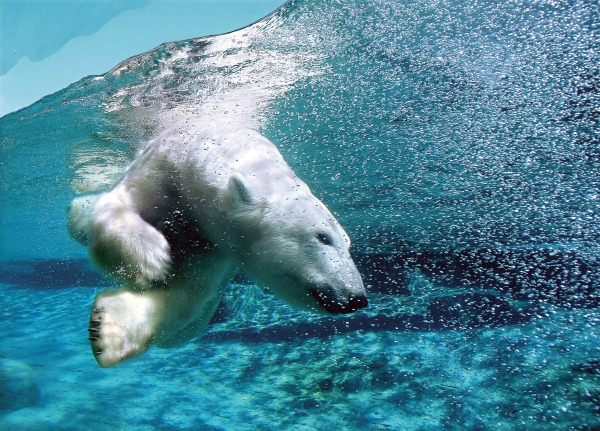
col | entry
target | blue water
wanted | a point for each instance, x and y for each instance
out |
(457, 143)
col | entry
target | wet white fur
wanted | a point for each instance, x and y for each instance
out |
(234, 190)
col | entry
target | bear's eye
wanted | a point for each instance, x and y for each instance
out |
(323, 238)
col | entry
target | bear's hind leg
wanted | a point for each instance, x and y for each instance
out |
(123, 324)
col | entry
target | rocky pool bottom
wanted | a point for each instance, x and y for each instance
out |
(436, 359)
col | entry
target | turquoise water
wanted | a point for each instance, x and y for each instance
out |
(90, 37)
(457, 143)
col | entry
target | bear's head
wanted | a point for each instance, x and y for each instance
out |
(292, 245)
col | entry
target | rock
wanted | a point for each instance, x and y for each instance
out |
(18, 385)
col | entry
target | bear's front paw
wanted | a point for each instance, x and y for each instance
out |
(122, 325)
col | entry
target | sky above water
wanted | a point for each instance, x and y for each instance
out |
(45, 45)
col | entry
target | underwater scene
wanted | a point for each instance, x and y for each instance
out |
(458, 145)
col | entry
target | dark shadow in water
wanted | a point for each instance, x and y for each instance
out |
(457, 312)
(563, 277)
(591, 367)
(567, 278)
(50, 274)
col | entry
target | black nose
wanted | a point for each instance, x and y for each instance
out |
(328, 300)
(356, 303)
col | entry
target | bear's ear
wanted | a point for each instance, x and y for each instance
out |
(238, 189)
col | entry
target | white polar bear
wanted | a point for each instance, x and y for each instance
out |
(189, 212)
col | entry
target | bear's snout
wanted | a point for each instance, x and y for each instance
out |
(330, 301)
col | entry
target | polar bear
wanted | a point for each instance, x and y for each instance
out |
(193, 209)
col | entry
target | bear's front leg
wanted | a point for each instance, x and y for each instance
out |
(124, 245)
(125, 323)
